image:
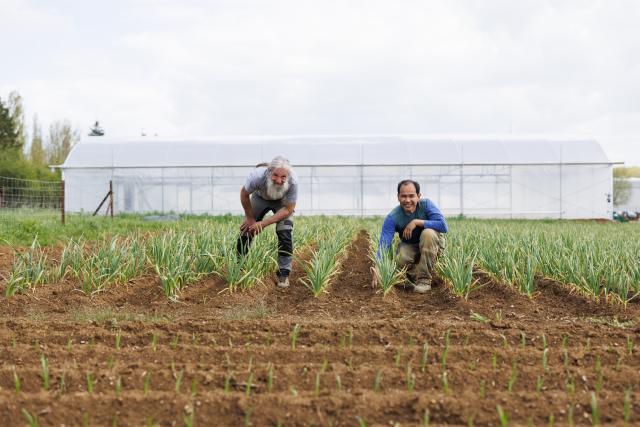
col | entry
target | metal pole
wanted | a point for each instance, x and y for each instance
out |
(111, 197)
(62, 200)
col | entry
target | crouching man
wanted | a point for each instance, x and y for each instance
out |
(421, 226)
(270, 187)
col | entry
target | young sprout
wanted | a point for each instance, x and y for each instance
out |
(90, 382)
(483, 389)
(227, 381)
(247, 389)
(397, 356)
(479, 318)
(174, 342)
(189, 418)
(410, 378)
(147, 383)
(425, 418)
(545, 359)
(629, 345)
(361, 422)
(118, 339)
(445, 352)
(494, 361)
(194, 387)
(317, 387)
(17, 382)
(595, 411)
(445, 382)
(502, 416)
(377, 382)
(523, 340)
(178, 375)
(270, 377)
(294, 336)
(570, 385)
(513, 377)
(118, 387)
(44, 363)
(154, 342)
(599, 375)
(539, 383)
(338, 383)
(425, 357)
(627, 406)
(32, 420)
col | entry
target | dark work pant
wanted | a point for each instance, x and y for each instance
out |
(284, 230)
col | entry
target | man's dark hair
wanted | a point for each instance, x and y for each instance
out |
(409, 181)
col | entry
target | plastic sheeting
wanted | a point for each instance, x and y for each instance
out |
(348, 175)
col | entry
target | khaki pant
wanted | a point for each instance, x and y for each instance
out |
(420, 259)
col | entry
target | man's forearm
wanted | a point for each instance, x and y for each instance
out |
(277, 217)
(246, 205)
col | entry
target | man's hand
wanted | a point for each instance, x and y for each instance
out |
(256, 228)
(408, 230)
(246, 225)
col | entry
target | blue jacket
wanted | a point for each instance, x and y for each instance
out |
(397, 220)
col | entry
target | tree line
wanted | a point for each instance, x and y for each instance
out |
(27, 153)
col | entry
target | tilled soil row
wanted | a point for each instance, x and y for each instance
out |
(357, 355)
(339, 408)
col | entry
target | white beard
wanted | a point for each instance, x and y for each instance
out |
(276, 192)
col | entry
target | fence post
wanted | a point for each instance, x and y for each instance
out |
(111, 197)
(62, 200)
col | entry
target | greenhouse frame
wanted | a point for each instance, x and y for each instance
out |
(346, 175)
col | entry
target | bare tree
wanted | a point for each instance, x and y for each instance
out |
(62, 138)
(37, 154)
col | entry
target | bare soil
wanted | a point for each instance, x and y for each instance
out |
(357, 356)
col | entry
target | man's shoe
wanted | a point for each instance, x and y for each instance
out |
(422, 286)
(283, 282)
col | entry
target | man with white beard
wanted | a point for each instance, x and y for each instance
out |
(270, 187)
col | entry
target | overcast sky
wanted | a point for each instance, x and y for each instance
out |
(201, 68)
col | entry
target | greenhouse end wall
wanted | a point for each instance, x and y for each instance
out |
(568, 191)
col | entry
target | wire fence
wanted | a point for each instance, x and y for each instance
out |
(20, 198)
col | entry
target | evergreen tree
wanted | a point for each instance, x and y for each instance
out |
(16, 111)
(8, 135)
(62, 138)
(37, 154)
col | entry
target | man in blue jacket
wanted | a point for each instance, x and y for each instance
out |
(421, 226)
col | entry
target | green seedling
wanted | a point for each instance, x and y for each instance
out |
(118, 387)
(178, 377)
(270, 378)
(44, 364)
(17, 382)
(425, 357)
(249, 384)
(317, 386)
(294, 336)
(377, 382)
(595, 411)
(502, 416)
(118, 339)
(397, 356)
(90, 382)
(512, 377)
(147, 383)
(32, 420)
(445, 382)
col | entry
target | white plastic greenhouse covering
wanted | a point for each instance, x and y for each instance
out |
(347, 175)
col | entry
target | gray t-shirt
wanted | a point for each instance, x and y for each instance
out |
(257, 183)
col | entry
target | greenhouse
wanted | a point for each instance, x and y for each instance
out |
(346, 175)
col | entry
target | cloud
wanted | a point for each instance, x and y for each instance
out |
(202, 68)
